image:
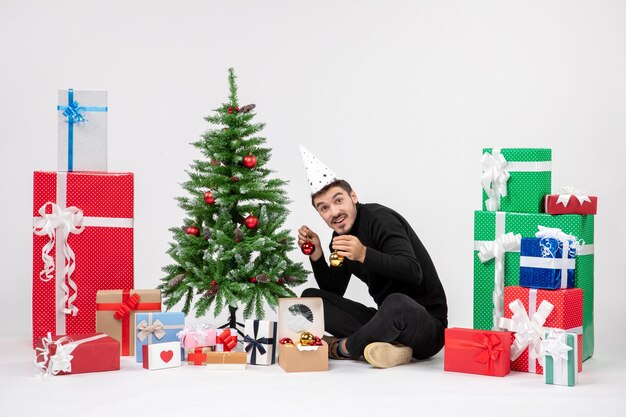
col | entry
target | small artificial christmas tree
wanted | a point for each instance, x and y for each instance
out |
(231, 251)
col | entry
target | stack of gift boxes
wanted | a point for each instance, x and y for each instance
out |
(86, 312)
(533, 273)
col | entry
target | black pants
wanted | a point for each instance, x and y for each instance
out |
(398, 319)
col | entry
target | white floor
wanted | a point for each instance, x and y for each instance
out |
(349, 388)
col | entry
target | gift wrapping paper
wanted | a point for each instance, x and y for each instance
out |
(82, 243)
(156, 328)
(115, 313)
(529, 173)
(82, 136)
(490, 225)
(161, 355)
(481, 352)
(557, 204)
(198, 335)
(546, 264)
(566, 315)
(260, 341)
(561, 351)
(77, 354)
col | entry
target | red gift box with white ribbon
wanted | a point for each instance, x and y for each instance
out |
(530, 313)
(570, 200)
(82, 243)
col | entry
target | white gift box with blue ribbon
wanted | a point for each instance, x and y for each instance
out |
(548, 261)
(82, 134)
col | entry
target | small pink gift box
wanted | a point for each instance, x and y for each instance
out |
(197, 335)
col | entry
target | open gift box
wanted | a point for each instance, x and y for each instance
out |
(295, 317)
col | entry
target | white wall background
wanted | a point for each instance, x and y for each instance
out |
(399, 97)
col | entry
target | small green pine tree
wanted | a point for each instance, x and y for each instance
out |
(220, 258)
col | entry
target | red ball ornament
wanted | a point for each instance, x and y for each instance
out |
(280, 281)
(230, 110)
(213, 283)
(249, 161)
(192, 230)
(236, 109)
(253, 280)
(208, 198)
(234, 179)
(251, 222)
(308, 247)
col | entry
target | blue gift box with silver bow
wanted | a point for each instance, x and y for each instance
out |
(260, 341)
(82, 135)
(547, 263)
(151, 328)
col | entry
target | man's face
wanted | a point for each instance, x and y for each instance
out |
(337, 208)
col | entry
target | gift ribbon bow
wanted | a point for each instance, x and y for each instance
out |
(74, 112)
(555, 345)
(566, 193)
(227, 339)
(256, 343)
(127, 306)
(495, 250)
(490, 347)
(61, 361)
(66, 221)
(145, 329)
(494, 178)
(529, 330)
(198, 329)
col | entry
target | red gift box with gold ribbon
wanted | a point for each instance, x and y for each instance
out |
(82, 243)
(481, 352)
(533, 312)
(115, 314)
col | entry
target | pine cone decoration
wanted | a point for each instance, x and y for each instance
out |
(176, 280)
(211, 292)
(289, 279)
(206, 232)
(262, 278)
(238, 235)
(247, 108)
(283, 240)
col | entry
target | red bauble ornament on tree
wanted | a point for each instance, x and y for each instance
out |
(230, 110)
(236, 109)
(234, 179)
(308, 247)
(249, 161)
(253, 280)
(192, 230)
(251, 222)
(208, 198)
(213, 283)
(280, 281)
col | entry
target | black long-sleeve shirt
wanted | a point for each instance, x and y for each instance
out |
(396, 261)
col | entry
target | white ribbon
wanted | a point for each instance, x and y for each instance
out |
(147, 330)
(494, 178)
(496, 249)
(65, 221)
(528, 328)
(61, 361)
(566, 193)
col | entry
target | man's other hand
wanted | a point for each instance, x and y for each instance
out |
(350, 247)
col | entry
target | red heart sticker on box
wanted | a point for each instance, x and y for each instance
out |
(167, 355)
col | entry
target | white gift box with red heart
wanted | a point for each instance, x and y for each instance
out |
(161, 355)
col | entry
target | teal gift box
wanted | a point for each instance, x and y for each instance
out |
(151, 328)
(489, 225)
(560, 360)
(516, 179)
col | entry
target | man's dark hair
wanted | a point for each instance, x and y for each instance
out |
(337, 183)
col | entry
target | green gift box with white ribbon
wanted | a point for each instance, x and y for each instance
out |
(560, 351)
(496, 241)
(516, 179)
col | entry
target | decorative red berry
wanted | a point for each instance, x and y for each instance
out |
(230, 110)
(234, 179)
(213, 283)
(253, 280)
(236, 109)
(280, 281)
